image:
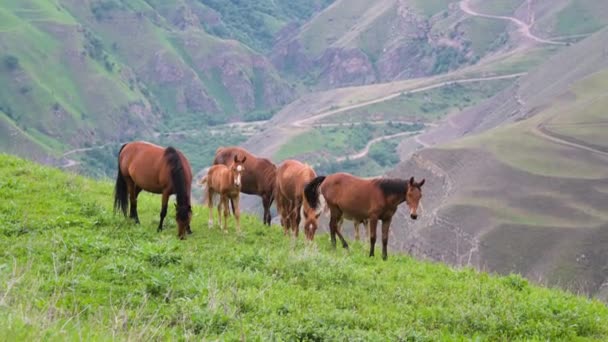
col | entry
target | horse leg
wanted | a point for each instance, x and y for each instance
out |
(344, 244)
(385, 226)
(133, 192)
(226, 212)
(356, 224)
(219, 212)
(336, 217)
(163, 210)
(237, 212)
(266, 203)
(373, 222)
(210, 206)
(296, 226)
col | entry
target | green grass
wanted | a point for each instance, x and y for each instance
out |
(331, 25)
(431, 7)
(70, 269)
(484, 34)
(428, 105)
(497, 7)
(581, 16)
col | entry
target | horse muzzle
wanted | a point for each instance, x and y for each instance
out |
(414, 216)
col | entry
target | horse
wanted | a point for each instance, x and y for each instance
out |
(257, 179)
(225, 181)
(363, 199)
(291, 177)
(146, 166)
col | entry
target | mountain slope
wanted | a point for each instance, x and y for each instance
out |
(72, 270)
(81, 74)
(524, 191)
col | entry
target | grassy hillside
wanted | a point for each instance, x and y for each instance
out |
(524, 190)
(70, 269)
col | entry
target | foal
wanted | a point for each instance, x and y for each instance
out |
(225, 181)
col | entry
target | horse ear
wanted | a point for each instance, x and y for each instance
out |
(244, 158)
(412, 181)
(422, 182)
(236, 158)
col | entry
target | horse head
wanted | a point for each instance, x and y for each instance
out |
(413, 195)
(237, 169)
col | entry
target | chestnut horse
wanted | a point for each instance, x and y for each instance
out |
(360, 199)
(258, 178)
(225, 181)
(291, 178)
(149, 167)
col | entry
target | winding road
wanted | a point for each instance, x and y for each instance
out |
(303, 122)
(365, 150)
(543, 132)
(524, 29)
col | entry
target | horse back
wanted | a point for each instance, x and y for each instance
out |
(357, 198)
(259, 174)
(291, 178)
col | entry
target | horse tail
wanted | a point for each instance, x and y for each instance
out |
(178, 180)
(311, 193)
(121, 196)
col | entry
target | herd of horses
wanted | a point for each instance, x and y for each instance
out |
(300, 194)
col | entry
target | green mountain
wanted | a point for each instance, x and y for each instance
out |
(71, 269)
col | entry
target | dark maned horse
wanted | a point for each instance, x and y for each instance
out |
(291, 178)
(258, 178)
(149, 167)
(359, 199)
(225, 181)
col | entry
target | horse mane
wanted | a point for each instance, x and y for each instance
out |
(311, 191)
(392, 186)
(178, 181)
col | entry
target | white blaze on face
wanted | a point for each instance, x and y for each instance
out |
(237, 180)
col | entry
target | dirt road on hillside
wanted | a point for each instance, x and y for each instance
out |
(365, 150)
(545, 133)
(524, 28)
(303, 122)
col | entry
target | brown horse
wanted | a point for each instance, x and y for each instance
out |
(360, 199)
(258, 178)
(225, 181)
(291, 177)
(149, 167)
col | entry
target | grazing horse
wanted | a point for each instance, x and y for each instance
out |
(291, 177)
(363, 199)
(258, 177)
(225, 181)
(149, 167)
